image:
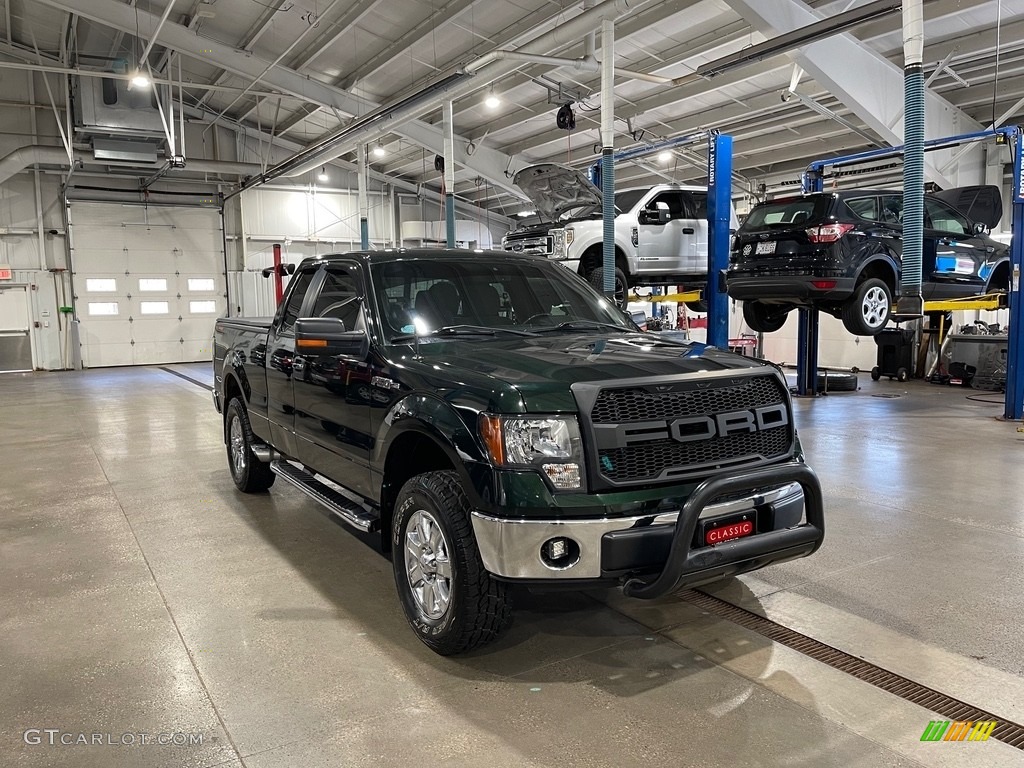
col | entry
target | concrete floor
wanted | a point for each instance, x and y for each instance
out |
(140, 593)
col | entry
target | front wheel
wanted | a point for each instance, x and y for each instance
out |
(621, 290)
(764, 318)
(867, 311)
(249, 473)
(451, 602)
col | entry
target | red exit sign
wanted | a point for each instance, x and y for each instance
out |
(6, 273)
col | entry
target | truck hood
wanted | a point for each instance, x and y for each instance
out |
(542, 370)
(556, 189)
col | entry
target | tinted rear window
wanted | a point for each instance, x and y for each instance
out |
(792, 212)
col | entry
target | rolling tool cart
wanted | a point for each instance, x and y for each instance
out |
(895, 354)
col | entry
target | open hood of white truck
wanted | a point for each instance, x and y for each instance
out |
(556, 189)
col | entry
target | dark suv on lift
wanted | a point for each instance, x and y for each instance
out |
(840, 252)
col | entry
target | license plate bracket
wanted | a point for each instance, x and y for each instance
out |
(718, 530)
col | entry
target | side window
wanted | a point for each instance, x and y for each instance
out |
(340, 297)
(672, 200)
(864, 208)
(892, 209)
(700, 204)
(940, 216)
(299, 286)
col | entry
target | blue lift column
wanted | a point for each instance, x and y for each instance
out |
(807, 317)
(719, 208)
(1014, 400)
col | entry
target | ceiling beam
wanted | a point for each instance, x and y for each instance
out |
(485, 162)
(867, 82)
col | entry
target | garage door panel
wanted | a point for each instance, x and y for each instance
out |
(154, 352)
(164, 271)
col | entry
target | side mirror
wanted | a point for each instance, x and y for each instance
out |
(980, 228)
(328, 336)
(659, 216)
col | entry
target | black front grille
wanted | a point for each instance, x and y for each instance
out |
(617, 406)
(667, 459)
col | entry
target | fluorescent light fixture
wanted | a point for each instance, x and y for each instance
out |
(524, 214)
(492, 101)
(379, 150)
(140, 80)
(665, 156)
(322, 176)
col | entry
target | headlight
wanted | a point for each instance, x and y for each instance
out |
(548, 443)
(557, 243)
(570, 233)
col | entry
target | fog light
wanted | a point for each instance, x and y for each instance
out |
(560, 553)
(564, 476)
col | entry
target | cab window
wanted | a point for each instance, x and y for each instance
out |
(340, 297)
(289, 313)
(673, 201)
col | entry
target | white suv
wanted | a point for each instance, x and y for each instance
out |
(661, 232)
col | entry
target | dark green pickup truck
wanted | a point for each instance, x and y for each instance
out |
(496, 420)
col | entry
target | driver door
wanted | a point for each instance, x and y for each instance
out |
(659, 246)
(332, 391)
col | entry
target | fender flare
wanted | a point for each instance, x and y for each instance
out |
(438, 421)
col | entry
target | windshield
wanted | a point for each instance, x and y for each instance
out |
(624, 201)
(791, 212)
(487, 293)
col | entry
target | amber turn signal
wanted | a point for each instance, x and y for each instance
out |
(490, 431)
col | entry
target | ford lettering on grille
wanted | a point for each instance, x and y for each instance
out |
(691, 428)
(671, 432)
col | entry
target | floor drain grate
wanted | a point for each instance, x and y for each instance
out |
(1007, 732)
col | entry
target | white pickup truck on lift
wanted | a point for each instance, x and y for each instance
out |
(661, 232)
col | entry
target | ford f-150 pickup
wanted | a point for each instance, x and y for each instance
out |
(496, 420)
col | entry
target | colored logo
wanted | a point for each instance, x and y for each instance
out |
(959, 730)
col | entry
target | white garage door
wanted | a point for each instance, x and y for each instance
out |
(149, 282)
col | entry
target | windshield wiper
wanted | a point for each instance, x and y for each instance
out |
(583, 325)
(461, 330)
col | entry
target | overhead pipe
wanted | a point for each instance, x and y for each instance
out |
(910, 302)
(453, 85)
(153, 35)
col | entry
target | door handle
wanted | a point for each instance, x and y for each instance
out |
(687, 230)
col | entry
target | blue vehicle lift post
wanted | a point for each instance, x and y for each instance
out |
(813, 181)
(719, 216)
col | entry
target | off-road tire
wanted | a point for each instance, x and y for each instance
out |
(479, 608)
(249, 473)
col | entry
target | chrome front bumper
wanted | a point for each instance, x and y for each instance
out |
(512, 548)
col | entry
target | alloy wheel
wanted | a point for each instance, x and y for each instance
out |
(428, 565)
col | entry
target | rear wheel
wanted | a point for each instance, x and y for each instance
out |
(764, 318)
(249, 473)
(621, 294)
(452, 603)
(867, 311)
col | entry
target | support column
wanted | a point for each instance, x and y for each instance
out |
(607, 149)
(719, 210)
(364, 206)
(449, 174)
(807, 351)
(1014, 399)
